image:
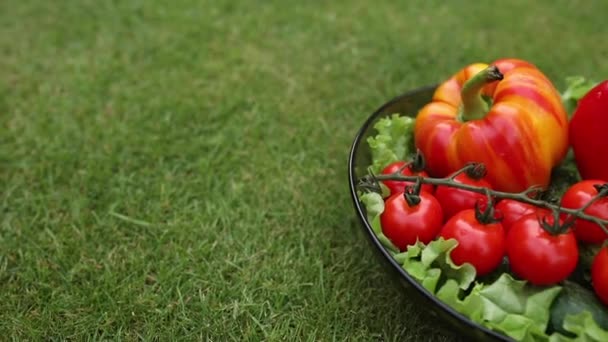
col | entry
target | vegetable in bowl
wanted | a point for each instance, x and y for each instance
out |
(497, 297)
(508, 116)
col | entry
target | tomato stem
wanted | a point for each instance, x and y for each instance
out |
(554, 228)
(488, 214)
(529, 195)
(602, 190)
(473, 105)
(370, 186)
(418, 163)
(476, 171)
(412, 193)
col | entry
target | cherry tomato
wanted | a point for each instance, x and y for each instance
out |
(599, 274)
(587, 133)
(539, 256)
(513, 210)
(480, 244)
(577, 196)
(398, 186)
(454, 200)
(403, 224)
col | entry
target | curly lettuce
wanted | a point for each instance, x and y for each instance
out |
(513, 307)
(394, 141)
(583, 326)
(576, 88)
(428, 264)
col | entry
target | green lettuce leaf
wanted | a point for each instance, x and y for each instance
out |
(516, 308)
(431, 264)
(510, 306)
(584, 327)
(576, 88)
(394, 141)
(566, 310)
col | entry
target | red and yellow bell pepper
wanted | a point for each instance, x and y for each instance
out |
(507, 115)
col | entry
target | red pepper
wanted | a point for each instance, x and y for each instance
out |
(508, 116)
(588, 133)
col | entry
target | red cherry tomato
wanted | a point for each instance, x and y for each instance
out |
(577, 196)
(587, 133)
(454, 200)
(513, 210)
(398, 186)
(480, 244)
(538, 256)
(599, 275)
(404, 224)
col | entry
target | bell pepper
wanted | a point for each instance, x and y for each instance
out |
(588, 128)
(507, 115)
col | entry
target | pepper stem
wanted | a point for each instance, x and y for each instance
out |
(473, 105)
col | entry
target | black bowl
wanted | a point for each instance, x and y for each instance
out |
(359, 159)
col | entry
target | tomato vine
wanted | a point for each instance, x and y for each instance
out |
(530, 195)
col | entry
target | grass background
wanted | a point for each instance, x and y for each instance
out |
(177, 170)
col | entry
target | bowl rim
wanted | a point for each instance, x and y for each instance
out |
(372, 236)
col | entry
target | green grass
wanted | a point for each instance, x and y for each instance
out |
(177, 170)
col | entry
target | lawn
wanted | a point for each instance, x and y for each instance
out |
(177, 170)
